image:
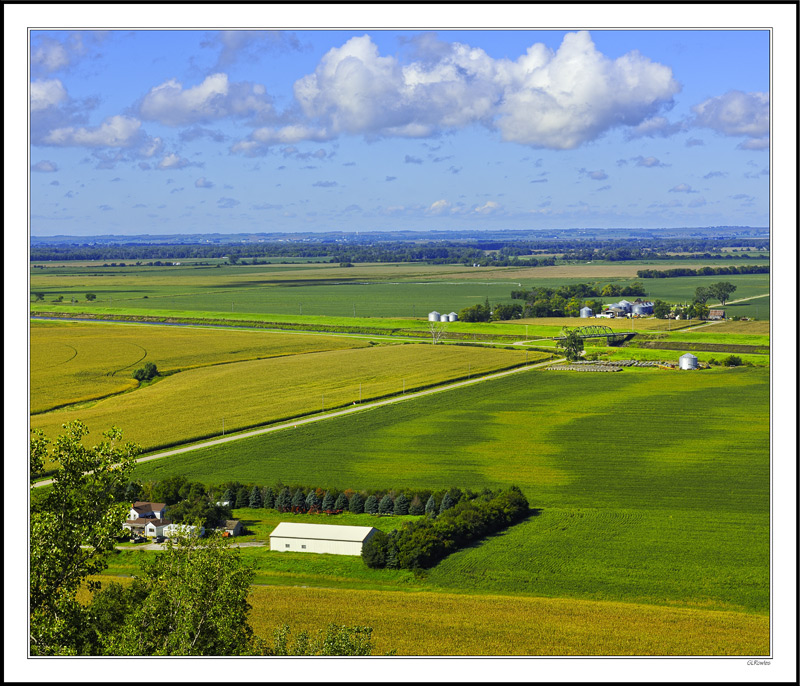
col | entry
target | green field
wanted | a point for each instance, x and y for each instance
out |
(369, 290)
(634, 485)
(193, 404)
(75, 362)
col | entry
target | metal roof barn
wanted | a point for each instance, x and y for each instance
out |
(334, 539)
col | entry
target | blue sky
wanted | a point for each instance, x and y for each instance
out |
(207, 131)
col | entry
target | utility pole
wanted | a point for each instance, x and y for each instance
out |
(354, 309)
(301, 309)
(359, 392)
(223, 426)
(404, 386)
(469, 371)
(323, 402)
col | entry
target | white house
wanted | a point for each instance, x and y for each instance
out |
(320, 538)
(183, 530)
(149, 510)
(155, 527)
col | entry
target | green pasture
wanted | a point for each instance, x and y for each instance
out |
(646, 483)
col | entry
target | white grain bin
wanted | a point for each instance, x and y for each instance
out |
(687, 361)
(586, 312)
(434, 316)
(453, 317)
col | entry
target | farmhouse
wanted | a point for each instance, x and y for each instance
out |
(716, 314)
(150, 510)
(155, 527)
(320, 538)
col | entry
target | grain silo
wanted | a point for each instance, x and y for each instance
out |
(434, 316)
(586, 312)
(453, 317)
(640, 309)
(687, 361)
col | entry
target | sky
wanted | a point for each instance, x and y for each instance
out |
(195, 131)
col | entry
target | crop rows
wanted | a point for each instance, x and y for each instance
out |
(193, 404)
(75, 362)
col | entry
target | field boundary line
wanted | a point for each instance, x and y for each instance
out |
(332, 415)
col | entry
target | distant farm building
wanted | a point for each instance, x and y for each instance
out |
(320, 538)
(453, 317)
(586, 312)
(232, 527)
(687, 361)
(716, 314)
(434, 316)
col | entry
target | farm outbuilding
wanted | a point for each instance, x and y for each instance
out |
(586, 312)
(320, 538)
(453, 317)
(687, 361)
(434, 316)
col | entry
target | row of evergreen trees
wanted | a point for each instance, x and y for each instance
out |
(702, 271)
(421, 544)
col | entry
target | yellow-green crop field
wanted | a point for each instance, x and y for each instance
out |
(192, 405)
(424, 623)
(75, 362)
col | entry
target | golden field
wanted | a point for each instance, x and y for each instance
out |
(192, 405)
(74, 362)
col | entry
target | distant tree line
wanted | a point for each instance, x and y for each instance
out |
(702, 271)
(421, 544)
(467, 252)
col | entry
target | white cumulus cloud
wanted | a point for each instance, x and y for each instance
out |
(118, 131)
(47, 93)
(735, 114)
(44, 166)
(545, 99)
(439, 207)
(215, 98)
(173, 161)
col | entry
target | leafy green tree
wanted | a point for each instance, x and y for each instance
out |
(38, 296)
(661, 309)
(732, 361)
(401, 505)
(269, 498)
(572, 343)
(149, 371)
(371, 505)
(195, 603)
(328, 502)
(133, 492)
(430, 506)
(573, 308)
(341, 503)
(335, 639)
(255, 498)
(610, 290)
(374, 550)
(722, 291)
(91, 296)
(299, 500)
(702, 294)
(72, 528)
(701, 311)
(416, 507)
(356, 505)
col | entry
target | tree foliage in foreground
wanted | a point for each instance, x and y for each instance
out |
(192, 600)
(73, 527)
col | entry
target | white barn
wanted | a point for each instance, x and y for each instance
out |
(320, 538)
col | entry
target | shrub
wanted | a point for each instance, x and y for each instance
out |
(732, 361)
(149, 371)
(356, 505)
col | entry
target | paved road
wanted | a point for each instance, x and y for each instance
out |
(160, 546)
(330, 415)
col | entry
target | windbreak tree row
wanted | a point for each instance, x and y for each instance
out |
(421, 544)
